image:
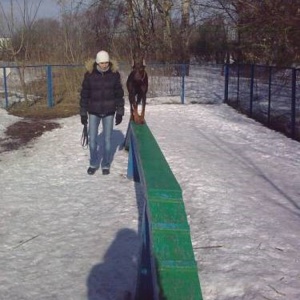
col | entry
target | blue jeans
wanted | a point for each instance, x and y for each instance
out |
(107, 124)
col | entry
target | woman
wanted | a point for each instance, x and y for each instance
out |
(102, 97)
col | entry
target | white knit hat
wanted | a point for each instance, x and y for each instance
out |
(102, 56)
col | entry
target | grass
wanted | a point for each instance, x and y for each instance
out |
(38, 117)
(40, 110)
(66, 87)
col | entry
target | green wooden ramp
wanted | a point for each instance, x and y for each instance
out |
(171, 268)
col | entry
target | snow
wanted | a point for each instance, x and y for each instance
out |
(67, 235)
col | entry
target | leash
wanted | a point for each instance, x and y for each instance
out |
(85, 137)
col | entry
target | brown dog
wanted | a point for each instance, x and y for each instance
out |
(137, 86)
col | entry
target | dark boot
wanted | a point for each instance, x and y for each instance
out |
(105, 171)
(91, 170)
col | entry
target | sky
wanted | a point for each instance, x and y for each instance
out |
(47, 9)
(68, 235)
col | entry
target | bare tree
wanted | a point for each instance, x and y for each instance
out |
(269, 29)
(46, 45)
(266, 31)
(19, 20)
(164, 8)
(141, 25)
(185, 30)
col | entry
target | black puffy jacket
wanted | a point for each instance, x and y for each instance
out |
(102, 92)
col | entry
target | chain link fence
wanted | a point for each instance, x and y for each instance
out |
(271, 95)
(50, 85)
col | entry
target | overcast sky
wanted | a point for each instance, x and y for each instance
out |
(48, 8)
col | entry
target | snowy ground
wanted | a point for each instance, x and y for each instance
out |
(67, 235)
(240, 185)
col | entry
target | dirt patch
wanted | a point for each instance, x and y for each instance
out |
(22, 132)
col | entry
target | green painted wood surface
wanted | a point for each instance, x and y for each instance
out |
(171, 246)
(167, 214)
(179, 284)
(157, 172)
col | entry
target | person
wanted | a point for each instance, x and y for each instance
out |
(101, 98)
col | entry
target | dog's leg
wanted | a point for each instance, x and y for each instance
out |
(135, 113)
(144, 89)
(132, 106)
(142, 117)
(136, 116)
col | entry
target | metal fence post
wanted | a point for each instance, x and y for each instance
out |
(49, 86)
(269, 95)
(226, 82)
(183, 69)
(5, 87)
(251, 90)
(238, 86)
(293, 105)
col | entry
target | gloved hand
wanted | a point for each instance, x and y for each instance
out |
(84, 120)
(119, 119)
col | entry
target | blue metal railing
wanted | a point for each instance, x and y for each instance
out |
(166, 81)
